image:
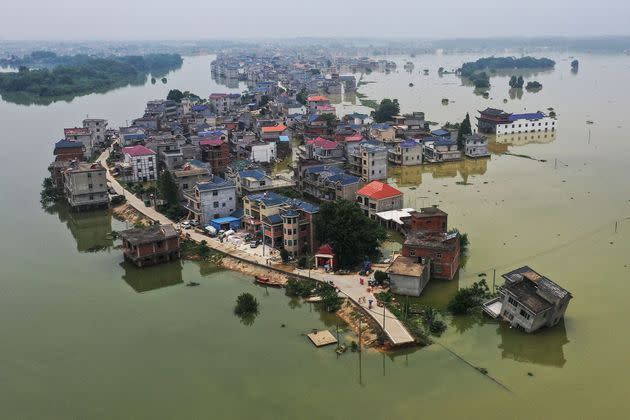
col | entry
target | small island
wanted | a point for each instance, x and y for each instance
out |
(45, 77)
(477, 71)
(533, 86)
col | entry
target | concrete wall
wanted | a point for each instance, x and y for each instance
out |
(408, 285)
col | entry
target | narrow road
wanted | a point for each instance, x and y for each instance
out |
(349, 285)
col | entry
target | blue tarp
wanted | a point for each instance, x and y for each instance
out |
(226, 222)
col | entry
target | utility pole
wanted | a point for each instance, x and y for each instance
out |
(494, 275)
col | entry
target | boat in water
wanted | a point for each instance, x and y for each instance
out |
(265, 281)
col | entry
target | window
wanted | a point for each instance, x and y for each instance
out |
(412, 252)
(215, 204)
(91, 197)
(215, 193)
(513, 302)
(89, 175)
(150, 159)
(524, 314)
(438, 255)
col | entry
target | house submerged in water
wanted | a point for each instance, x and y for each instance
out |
(529, 300)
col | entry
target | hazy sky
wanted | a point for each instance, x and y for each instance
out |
(226, 19)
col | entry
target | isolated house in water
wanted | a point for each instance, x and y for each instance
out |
(529, 300)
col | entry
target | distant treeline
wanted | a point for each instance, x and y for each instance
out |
(71, 76)
(476, 70)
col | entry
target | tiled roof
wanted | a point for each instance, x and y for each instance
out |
(378, 190)
(530, 116)
(257, 174)
(317, 98)
(67, 144)
(211, 142)
(441, 132)
(274, 129)
(216, 182)
(76, 131)
(323, 143)
(138, 150)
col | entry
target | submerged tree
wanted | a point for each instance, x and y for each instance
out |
(246, 304)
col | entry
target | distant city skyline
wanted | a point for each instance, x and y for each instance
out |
(187, 20)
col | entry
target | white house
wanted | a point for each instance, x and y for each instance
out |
(526, 123)
(476, 145)
(142, 161)
(97, 127)
(262, 151)
(211, 200)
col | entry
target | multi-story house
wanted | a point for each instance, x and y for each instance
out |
(272, 132)
(329, 183)
(383, 132)
(529, 300)
(314, 102)
(151, 245)
(165, 109)
(217, 153)
(427, 219)
(85, 185)
(368, 160)
(378, 196)
(439, 250)
(438, 149)
(475, 146)
(496, 121)
(406, 153)
(285, 222)
(189, 175)
(82, 135)
(132, 135)
(323, 150)
(98, 129)
(142, 161)
(224, 103)
(211, 200)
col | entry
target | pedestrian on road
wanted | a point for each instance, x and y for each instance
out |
(370, 304)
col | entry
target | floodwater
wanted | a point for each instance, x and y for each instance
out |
(86, 336)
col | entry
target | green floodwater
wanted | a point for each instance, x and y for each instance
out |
(85, 336)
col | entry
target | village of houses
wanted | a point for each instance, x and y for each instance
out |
(222, 149)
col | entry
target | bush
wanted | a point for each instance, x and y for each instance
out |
(302, 261)
(300, 288)
(246, 304)
(380, 276)
(468, 298)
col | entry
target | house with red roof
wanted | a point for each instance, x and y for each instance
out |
(378, 196)
(273, 132)
(323, 149)
(142, 162)
(314, 102)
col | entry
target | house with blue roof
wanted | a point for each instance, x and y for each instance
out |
(281, 222)
(406, 153)
(441, 132)
(212, 199)
(329, 183)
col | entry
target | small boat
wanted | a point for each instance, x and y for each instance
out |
(265, 281)
(192, 284)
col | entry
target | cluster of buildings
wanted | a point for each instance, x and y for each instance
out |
(81, 182)
(220, 151)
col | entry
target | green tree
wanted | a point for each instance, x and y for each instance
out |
(264, 100)
(386, 110)
(468, 298)
(331, 119)
(175, 95)
(465, 129)
(302, 96)
(284, 255)
(168, 189)
(352, 234)
(246, 304)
